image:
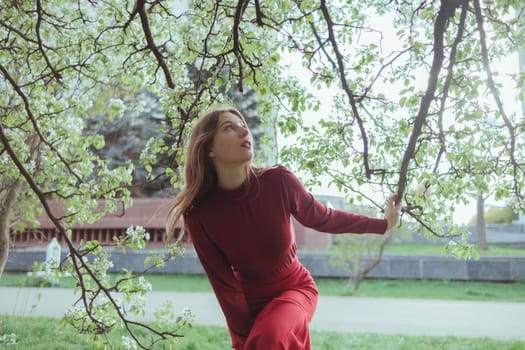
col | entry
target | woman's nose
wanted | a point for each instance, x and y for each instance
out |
(243, 131)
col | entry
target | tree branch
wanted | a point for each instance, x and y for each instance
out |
(141, 9)
(237, 48)
(342, 74)
(39, 13)
(258, 14)
(446, 11)
(448, 80)
(31, 117)
(495, 93)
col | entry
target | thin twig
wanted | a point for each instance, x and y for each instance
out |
(344, 81)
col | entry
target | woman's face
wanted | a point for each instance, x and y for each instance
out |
(233, 143)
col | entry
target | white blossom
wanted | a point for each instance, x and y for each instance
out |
(144, 284)
(128, 342)
(137, 236)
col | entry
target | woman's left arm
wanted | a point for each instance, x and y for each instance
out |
(314, 214)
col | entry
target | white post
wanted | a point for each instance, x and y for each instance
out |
(48, 271)
(53, 251)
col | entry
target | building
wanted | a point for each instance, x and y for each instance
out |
(149, 213)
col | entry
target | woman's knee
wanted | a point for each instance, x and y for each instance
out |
(281, 326)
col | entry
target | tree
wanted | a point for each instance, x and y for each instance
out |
(359, 254)
(494, 214)
(127, 136)
(480, 223)
(461, 139)
(434, 145)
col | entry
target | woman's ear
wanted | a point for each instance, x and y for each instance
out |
(211, 154)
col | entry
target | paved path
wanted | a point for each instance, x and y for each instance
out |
(499, 320)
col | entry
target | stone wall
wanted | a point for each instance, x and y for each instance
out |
(506, 234)
(428, 267)
(392, 266)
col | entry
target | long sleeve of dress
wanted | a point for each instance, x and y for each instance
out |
(224, 283)
(312, 213)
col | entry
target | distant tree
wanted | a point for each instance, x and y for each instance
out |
(358, 254)
(480, 223)
(505, 214)
(126, 137)
(501, 215)
(494, 215)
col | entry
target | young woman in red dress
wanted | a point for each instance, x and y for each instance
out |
(239, 219)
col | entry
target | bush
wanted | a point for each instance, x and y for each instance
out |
(498, 215)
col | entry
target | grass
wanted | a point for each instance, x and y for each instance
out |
(437, 249)
(48, 333)
(428, 289)
(421, 289)
(54, 334)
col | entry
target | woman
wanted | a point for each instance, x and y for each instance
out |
(239, 220)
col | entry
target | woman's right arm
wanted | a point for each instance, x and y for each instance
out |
(225, 285)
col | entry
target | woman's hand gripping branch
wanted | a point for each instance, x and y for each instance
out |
(392, 212)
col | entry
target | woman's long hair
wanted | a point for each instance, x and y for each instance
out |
(200, 176)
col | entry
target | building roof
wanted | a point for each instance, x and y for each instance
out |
(146, 212)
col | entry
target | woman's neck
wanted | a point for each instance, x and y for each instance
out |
(230, 178)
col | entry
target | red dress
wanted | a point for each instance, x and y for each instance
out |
(245, 242)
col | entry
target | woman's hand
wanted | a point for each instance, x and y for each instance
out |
(392, 211)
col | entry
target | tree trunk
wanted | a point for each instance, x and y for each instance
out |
(5, 213)
(362, 271)
(482, 232)
(8, 202)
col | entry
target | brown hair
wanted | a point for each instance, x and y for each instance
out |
(200, 176)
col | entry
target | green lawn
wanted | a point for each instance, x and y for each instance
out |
(54, 334)
(437, 249)
(426, 289)
(46, 333)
